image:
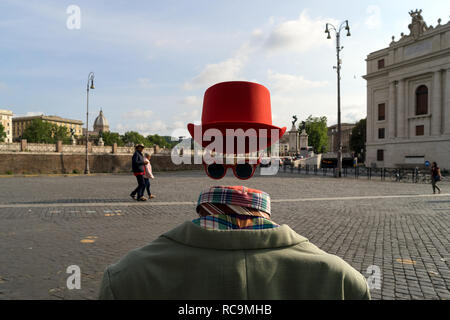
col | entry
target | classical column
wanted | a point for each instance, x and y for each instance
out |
(447, 102)
(401, 114)
(436, 105)
(370, 116)
(391, 110)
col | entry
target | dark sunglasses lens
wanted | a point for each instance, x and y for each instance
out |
(244, 171)
(216, 171)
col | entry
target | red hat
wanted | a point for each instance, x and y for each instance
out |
(237, 105)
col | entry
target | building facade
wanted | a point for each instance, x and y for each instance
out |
(6, 121)
(408, 98)
(332, 133)
(19, 124)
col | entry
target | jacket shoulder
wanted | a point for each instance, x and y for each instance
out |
(140, 273)
(351, 282)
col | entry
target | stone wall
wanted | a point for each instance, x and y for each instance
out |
(35, 163)
(23, 146)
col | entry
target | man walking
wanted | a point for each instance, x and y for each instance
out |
(138, 163)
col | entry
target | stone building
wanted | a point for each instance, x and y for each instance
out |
(408, 98)
(101, 124)
(294, 143)
(6, 121)
(333, 144)
(19, 124)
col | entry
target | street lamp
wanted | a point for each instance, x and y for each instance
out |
(344, 26)
(90, 85)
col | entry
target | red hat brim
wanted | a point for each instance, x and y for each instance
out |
(223, 126)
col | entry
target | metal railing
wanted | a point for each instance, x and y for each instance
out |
(383, 174)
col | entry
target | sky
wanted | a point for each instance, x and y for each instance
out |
(153, 60)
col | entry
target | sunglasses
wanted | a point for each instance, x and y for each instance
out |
(241, 171)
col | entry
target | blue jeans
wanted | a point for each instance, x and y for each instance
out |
(147, 186)
(140, 188)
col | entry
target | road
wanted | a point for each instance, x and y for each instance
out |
(48, 223)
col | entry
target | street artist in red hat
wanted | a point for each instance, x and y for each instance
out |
(233, 250)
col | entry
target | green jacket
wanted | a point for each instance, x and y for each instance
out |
(190, 262)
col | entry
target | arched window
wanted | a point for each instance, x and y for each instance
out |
(421, 100)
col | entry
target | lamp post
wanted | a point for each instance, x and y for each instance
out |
(343, 26)
(90, 85)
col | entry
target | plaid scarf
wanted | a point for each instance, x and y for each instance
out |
(225, 208)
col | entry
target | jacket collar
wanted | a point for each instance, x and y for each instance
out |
(192, 235)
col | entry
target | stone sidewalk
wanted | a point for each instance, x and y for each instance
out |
(50, 223)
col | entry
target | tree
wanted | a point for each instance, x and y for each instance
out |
(316, 128)
(162, 141)
(358, 138)
(60, 133)
(38, 131)
(133, 137)
(2, 133)
(112, 137)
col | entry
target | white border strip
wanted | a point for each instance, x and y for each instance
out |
(189, 203)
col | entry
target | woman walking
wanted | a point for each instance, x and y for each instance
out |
(435, 177)
(148, 175)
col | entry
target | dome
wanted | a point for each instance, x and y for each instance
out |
(100, 123)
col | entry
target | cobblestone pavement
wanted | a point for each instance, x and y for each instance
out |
(50, 223)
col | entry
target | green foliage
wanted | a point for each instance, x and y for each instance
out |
(44, 132)
(112, 137)
(2, 133)
(316, 128)
(60, 133)
(133, 137)
(162, 141)
(38, 131)
(358, 138)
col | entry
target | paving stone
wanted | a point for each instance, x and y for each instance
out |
(42, 232)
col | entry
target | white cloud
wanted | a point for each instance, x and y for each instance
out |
(298, 35)
(373, 20)
(138, 114)
(33, 113)
(353, 114)
(144, 128)
(144, 83)
(191, 101)
(289, 82)
(216, 72)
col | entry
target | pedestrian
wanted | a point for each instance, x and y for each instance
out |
(435, 177)
(148, 175)
(138, 163)
(233, 250)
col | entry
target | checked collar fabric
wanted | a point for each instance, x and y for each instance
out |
(234, 207)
